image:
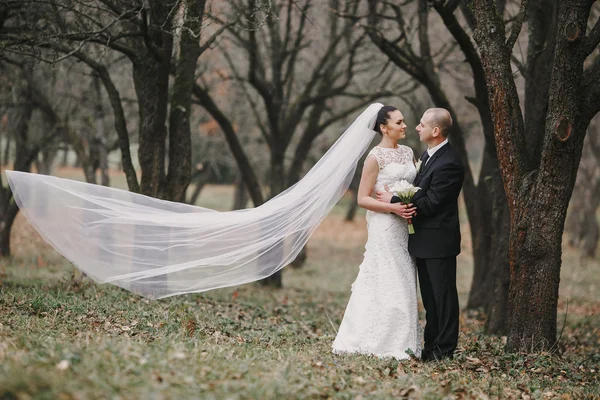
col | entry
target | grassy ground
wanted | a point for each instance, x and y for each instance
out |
(65, 338)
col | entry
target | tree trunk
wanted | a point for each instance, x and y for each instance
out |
(482, 223)
(65, 158)
(541, 206)
(353, 188)
(541, 20)
(180, 140)
(151, 79)
(496, 307)
(201, 178)
(119, 123)
(84, 158)
(44, 163)
(100, 135)
(8, 218)
(537, 197)
(592, 232)
(277, 185)
(277, 174)
(353, 207)
(6, 153)
(24, 157)
(151, 72)
(240, 197)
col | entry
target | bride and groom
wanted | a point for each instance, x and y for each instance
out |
(158, 248)
(381, 317)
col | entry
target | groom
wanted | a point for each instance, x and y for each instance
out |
(436, 241)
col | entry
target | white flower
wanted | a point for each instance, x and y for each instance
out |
(404, 190)
(418, 166)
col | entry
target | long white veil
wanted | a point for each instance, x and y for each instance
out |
(157, 248)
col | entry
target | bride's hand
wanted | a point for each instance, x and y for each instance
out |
(404, 211)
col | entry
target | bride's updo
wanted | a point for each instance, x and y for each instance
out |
(383, 116)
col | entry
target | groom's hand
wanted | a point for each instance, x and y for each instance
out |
(386, 197)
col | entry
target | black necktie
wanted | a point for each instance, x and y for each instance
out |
(425, 157)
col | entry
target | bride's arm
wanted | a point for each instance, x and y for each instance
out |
(366, 186)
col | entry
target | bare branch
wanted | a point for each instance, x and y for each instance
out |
(253, 105)
(516, 28)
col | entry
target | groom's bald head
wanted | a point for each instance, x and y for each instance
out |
(440, 118)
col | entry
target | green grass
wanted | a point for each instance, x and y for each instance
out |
(66, 337)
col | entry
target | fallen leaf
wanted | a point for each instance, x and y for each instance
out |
(41, 263)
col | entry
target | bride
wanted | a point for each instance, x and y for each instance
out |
(157, 248)
(381, 317)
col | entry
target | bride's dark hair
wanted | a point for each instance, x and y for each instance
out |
(383, 116)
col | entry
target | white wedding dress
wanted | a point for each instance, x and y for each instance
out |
(381, 317)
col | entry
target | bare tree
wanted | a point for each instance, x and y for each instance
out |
(159, 39)
(539, 184)
(20, 102)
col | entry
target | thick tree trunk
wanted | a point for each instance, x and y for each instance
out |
(151, 79)
(180, 141)
(541, 204)
(537, 196)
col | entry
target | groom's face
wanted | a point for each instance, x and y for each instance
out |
(425, 129)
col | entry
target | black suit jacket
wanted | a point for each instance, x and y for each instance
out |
(437, 229)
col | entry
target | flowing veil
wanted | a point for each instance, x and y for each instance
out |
(157, 248)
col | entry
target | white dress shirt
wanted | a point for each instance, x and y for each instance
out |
(432, 150)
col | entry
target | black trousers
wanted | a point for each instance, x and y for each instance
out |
(437, 280)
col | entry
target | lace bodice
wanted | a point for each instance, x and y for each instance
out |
(394, 165)
(386, 156)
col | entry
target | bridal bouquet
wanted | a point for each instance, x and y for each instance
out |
(406, 192)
